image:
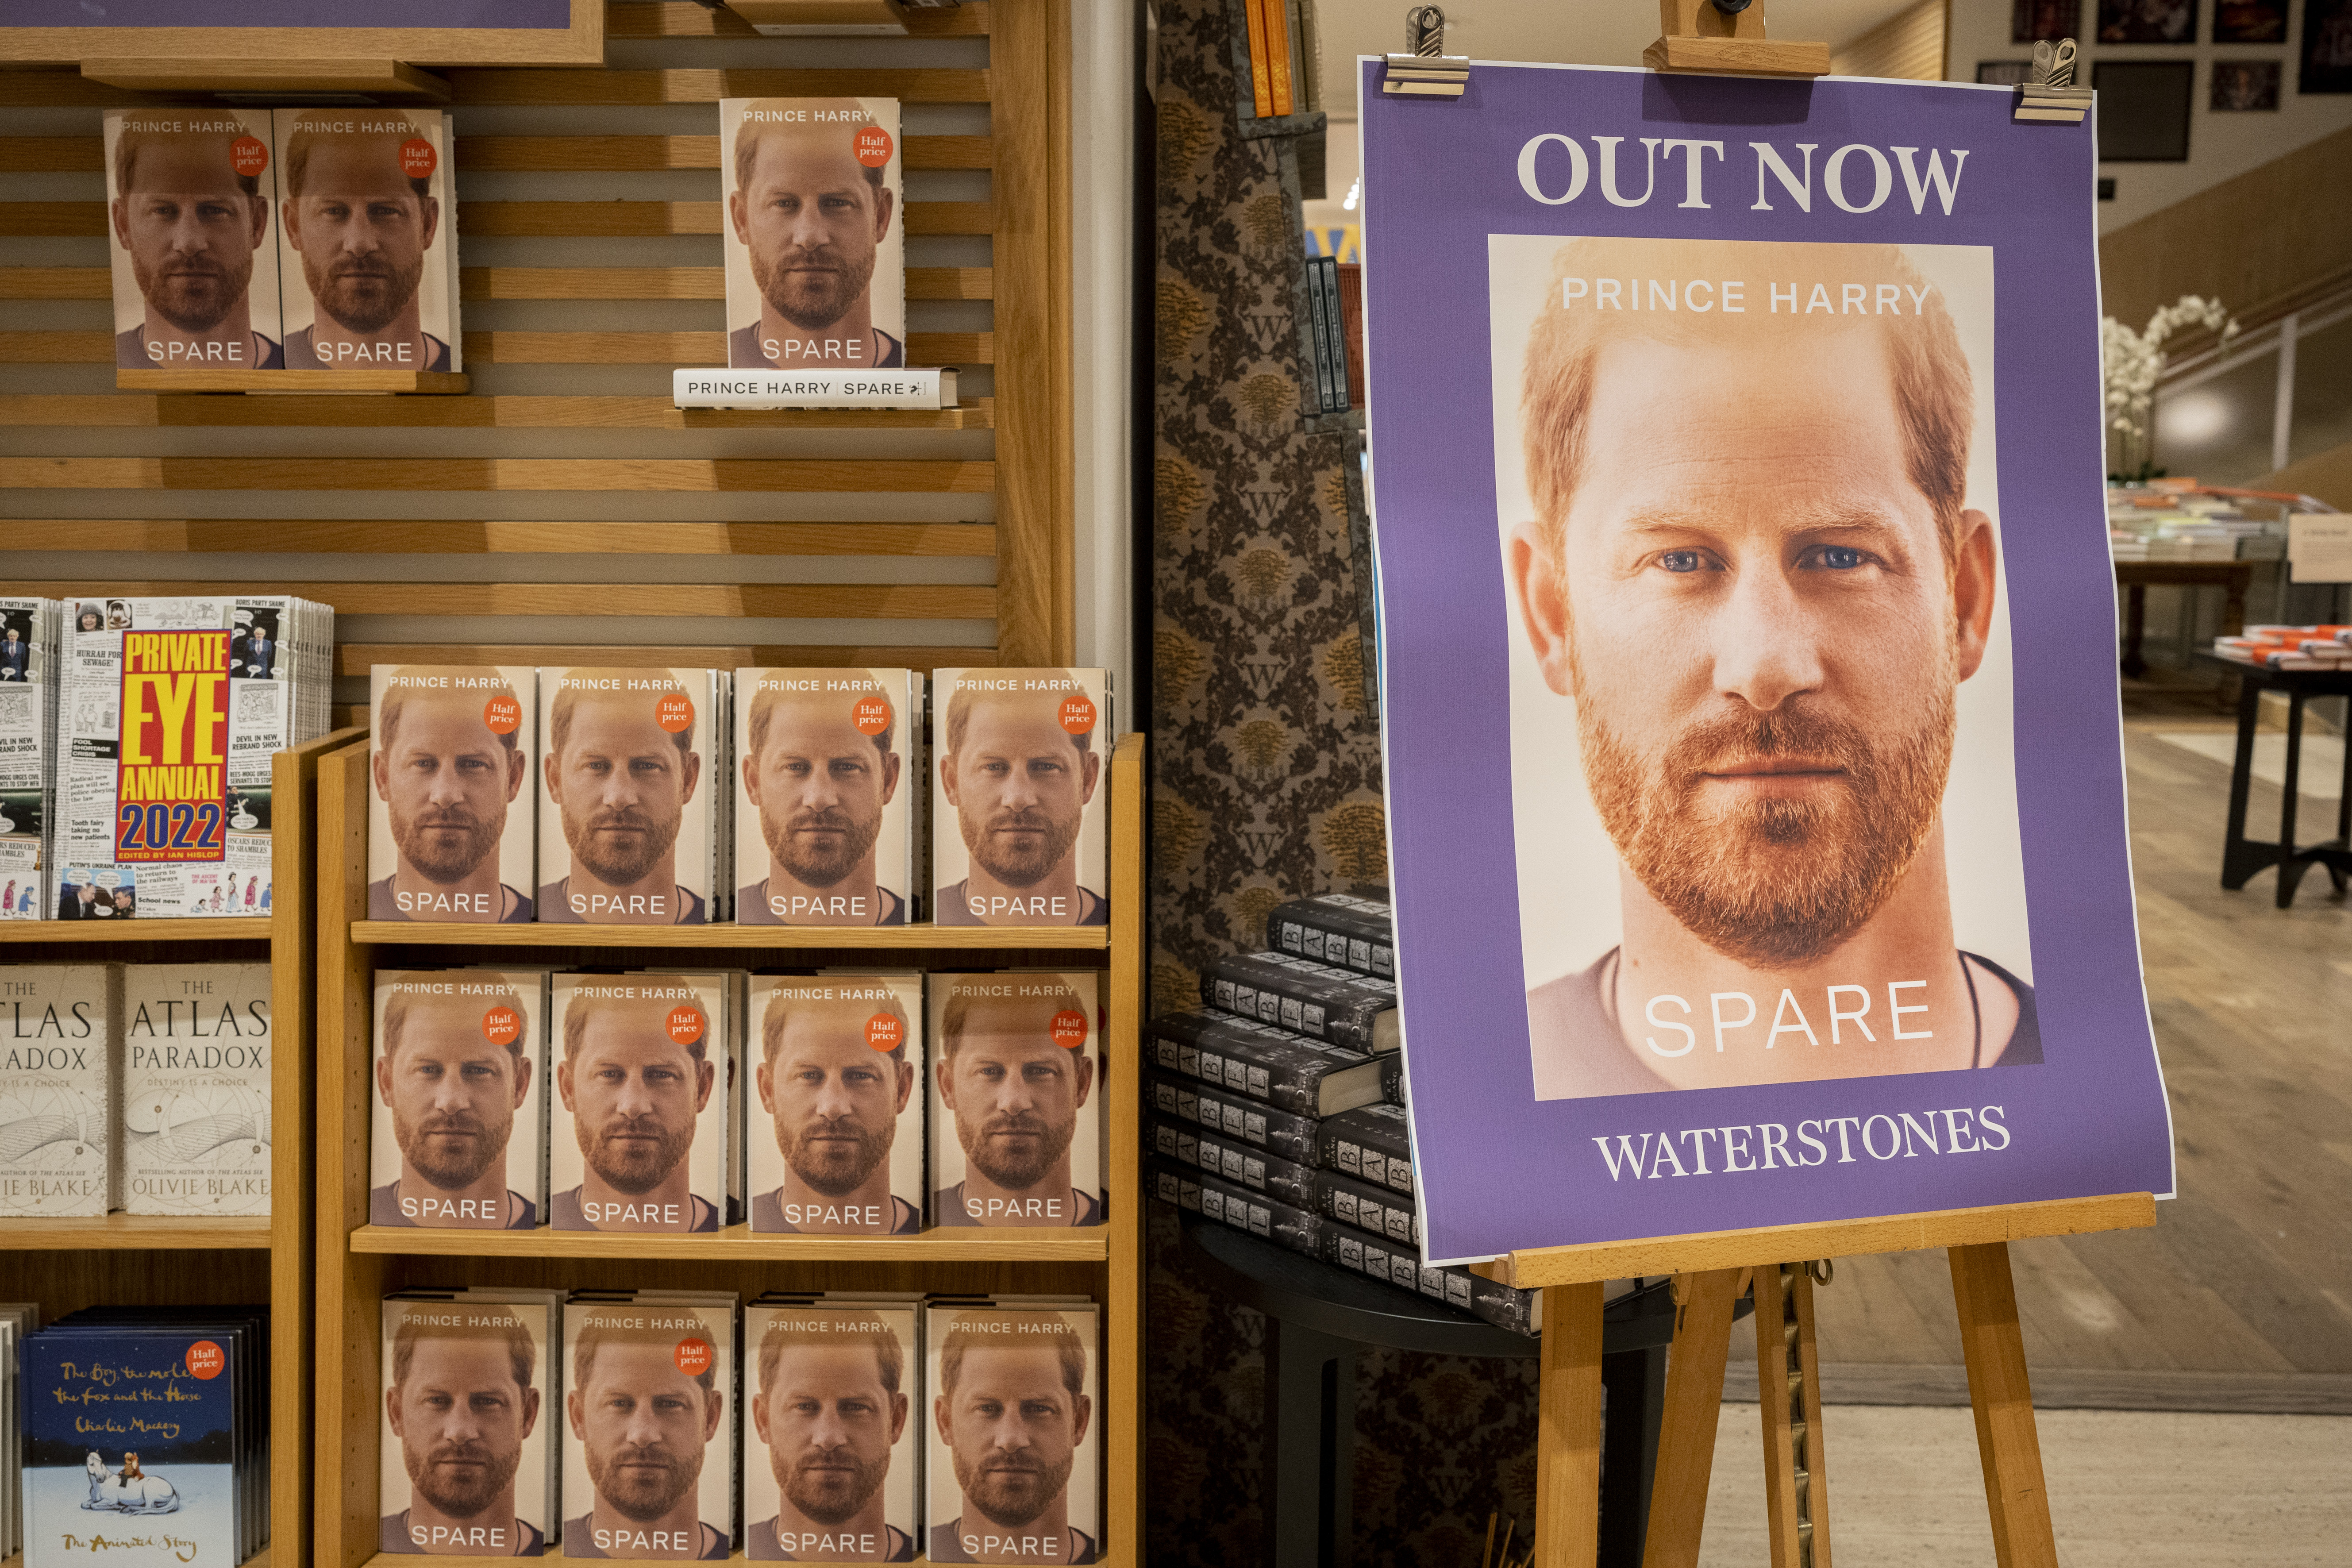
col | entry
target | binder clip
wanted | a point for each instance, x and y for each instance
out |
(1427, 71)
(2050, 93)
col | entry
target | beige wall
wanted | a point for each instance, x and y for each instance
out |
(2272, 230)
(1909, 46)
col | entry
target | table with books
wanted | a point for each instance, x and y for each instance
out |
(2300, 663)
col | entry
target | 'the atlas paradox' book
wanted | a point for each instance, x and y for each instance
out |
(450, 797)
(837, 1123)
(632, 794)
(469, 1423)
(371, 225)
(988, 1361)
(832, 1437)
(1016, 1131)
(196, 1057)
(60, 1075)
(192, 222)
(458, 1100)
(816, 267)
(637, 1132)
(1020, 823)
(828, 795)
(649, 1444)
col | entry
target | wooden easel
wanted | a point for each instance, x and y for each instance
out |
(1711, 1273)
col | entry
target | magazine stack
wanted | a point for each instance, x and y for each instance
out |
(1278, 1108)
(29, 632)
(172, 709)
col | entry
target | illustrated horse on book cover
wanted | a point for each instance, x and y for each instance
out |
(129, 1489)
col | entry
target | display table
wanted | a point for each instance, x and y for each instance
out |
(2137, 577)
(1317, 1317)
(2242, 857)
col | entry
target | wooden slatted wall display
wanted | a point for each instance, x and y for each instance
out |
(563, 509)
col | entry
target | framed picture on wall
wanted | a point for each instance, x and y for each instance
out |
(2144, 109)
(2005, 73)
(2031, 21)
(2244, 86)
(2148, 21)
(2250, 21)
(2326, 47)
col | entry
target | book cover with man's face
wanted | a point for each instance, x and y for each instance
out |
(828, 795)
(1019, 828)
(648, 1453)
(450, 802)
(1017, 1132)
(629, 783)
(637, 1129)
(192, 199)
(458, 1099)
(832, 1433)
(1013, 1433)
(835, 1117)
(468, 1429)
(816, 271)
(368, 226)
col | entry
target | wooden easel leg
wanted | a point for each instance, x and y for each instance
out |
(2007, 1442)
(1693, 1406)
(1789, 1390)
(1568, 1430)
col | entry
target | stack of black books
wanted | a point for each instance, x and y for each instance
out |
(1278, 1108)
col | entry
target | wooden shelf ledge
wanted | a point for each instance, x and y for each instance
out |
(914, 938)
(239, 928)
(737, 1244)
(438, 382)
(1538, 1268)
(129, 1232)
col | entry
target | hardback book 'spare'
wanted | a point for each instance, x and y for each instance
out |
(458, 1100)
(816, 253)
(1019, 823)
(450, 798)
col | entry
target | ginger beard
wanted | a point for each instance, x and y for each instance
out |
(829, 1484)
(833, 1155)
(619, 845)
(1010, 1489)
(194, 293)
(642, 1482)
(451, 1149)
(811, 288)
(1020, 849)
(820, 847)
(1772, 883)
(444, 843)
(461, 1480)
(363, 294)
(634, 1154)
(1014, 1168)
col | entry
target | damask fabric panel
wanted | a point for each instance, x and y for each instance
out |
(1267, 785)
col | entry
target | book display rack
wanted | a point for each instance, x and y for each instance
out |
(358, 1263)
(347, 477)
(66, 1265)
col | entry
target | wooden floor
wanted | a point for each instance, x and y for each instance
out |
(2138, 1489)
(2247, 1274)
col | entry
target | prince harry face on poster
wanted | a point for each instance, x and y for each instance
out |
(1753, 569)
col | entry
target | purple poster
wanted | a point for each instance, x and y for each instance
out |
(1755, 771)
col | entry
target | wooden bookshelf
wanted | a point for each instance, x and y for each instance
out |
(66, 1264)
(359, 1262)
(118, 933)
(117, 1232)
